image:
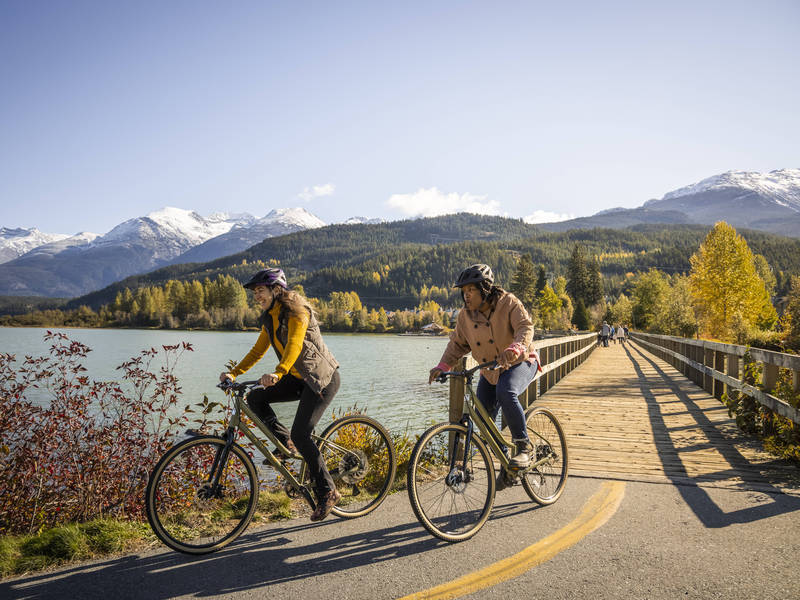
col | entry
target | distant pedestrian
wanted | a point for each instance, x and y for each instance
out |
(605, 333)
(620, 334)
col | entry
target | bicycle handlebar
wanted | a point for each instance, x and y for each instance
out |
(491, 365)
(238, 386)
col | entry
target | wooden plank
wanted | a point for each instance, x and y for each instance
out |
(628, 414)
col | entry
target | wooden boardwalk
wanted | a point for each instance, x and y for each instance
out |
(629, 415)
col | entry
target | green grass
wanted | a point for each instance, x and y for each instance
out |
(82, 541)
(68, 543)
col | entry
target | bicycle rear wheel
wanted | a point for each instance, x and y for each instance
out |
(186, 510)
(359, 454)
(545, 483)
(452, 504)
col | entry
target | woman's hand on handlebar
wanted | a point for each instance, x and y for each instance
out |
(435, 373)
(269, 379)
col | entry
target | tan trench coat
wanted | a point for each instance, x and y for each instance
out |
(487, 338)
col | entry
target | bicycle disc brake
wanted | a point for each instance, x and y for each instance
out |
(353, 467)
(208, 491)
(457, 480)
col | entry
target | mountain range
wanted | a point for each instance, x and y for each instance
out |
(75, 265)
(58, 265)
(763, 201)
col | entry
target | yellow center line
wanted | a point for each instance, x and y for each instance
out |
(595, 513)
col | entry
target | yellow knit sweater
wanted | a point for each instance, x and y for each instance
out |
(287, 355)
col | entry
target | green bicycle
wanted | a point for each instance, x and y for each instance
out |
(451, 474)
(203, 492)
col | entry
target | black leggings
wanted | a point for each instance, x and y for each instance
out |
(309, 412)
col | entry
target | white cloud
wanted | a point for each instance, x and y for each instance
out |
(432, 202)
(316, 191)
(543, 216)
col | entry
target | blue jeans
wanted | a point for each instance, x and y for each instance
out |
(505, 395)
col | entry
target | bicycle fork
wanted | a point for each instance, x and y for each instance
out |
(213, 488)
(461, 475)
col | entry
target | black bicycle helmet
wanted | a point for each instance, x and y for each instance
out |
(268, 277)
(476, 274)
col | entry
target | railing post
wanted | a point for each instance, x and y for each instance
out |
(457, 393)
(796, 381)
(708, 380)
(457, 389)
(531, 393)
(770, 376)
(698, 358)
(719, 365)
(732, 370)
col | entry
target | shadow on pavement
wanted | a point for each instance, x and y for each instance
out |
(256, 560)
(698, 498)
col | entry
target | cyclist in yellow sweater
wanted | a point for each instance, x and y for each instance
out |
(306, 371)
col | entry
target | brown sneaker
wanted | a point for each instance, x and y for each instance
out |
(325, 505)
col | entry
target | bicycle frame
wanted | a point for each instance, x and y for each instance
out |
(475, 413)
(236, 423)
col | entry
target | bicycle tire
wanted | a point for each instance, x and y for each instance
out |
(182, 510)
(451, 508)
(360, 456)
(545, 484)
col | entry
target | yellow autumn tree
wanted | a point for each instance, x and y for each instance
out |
(725, 287)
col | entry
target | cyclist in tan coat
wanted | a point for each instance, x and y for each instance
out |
(494, 325)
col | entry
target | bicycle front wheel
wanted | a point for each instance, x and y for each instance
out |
(359, 454)
(187, 509)
(451, 502)
(545, 482)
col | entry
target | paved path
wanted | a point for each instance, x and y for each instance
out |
(694, 520)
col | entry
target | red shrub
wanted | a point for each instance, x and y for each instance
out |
(87, 452)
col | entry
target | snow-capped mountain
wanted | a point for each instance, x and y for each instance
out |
(16, 242)
(171, 231)
(363, 221)
(84, 238)
(277, 222)
(781, 187)
(746, 199)
(766, 201)
(79, 264)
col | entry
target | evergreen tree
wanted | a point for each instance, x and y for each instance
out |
(541, 280)
(594, 288)
(523, 285)
(581, 316)
(578, 274)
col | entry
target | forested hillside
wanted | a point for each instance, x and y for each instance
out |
(395, 264)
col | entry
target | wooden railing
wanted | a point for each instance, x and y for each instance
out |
(717, 367)
(559, 356)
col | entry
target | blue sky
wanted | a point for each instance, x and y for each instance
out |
(110, 110)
